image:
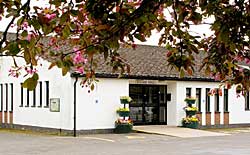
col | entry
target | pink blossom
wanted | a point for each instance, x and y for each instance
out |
(80, 69)
(217, 77)
(30, 36)
(78, 58)
(241, 69)
(50, 16)
(52, 41)
(25, 25)
(247, 61)
(15, 72)
(30, 71)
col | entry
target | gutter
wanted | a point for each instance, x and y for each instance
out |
(75, 106)
(147, 77)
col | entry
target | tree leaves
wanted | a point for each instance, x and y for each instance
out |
(31, 82)
(100, 27)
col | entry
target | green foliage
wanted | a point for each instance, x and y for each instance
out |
(31, 82)
(99, 27)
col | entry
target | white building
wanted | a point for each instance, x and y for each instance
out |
(158, 96)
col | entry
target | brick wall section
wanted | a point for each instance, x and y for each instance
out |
(226, 118)
(5, 117)
(1, 117)
(199, 116)
(11, 117)
(217, 118)
(208, 118)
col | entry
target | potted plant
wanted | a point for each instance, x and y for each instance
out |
(190, 111)
(190, 100)
(190, 122)
(123, 126)
(125, 99)
(123, 112)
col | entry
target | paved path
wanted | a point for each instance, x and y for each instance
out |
(176, 131)
(123, 144)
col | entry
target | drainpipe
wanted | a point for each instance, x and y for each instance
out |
(75, 106)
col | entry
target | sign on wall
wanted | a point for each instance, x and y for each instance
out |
(55, 104)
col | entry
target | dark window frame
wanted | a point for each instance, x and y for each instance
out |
(6, 97)
(247, 104)
(208, 108)
(40, 94)
(188, 92)
(21, 105)
(1, 85)
(34, 98)
(225, 100)
(28, 98)
(217, 101)
(198, 96)
(47, 94)
(11, 97)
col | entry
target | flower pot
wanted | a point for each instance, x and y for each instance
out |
(190, 113)
(193, 125)
(124, 101)
(123, 128)
(123, 113)
(190, 101)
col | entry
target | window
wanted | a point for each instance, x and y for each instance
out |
(28, 98)
(40, 94)
(198, 97)
(34, 98)
(225, 100)
(217, 101)
(21, 105)
(6, 97)
(247, 106)
(47, 94)
(188, 92)
(1, 98)
(207, 100)
(11, 97)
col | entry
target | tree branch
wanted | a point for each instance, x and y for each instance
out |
(11, 22)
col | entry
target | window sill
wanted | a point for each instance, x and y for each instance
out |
(32, 106)
(217, 112)
(26, 106)
(208, 112)
(226, 111)
(46, 106)
(39, 106)
(247, 109)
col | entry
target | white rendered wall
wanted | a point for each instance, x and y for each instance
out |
(236, 106)
(97, 109)
(172, 106)
(238, 114)
(59, 87)
(181, 95)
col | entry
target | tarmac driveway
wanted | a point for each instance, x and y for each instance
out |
(123, 144)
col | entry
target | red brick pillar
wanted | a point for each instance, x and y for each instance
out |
(5, 117)
(199, 116)
(1, 117)
(216, 118)
(226, 118)
(208, 118)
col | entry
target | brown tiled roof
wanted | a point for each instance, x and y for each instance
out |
(146, 62)
(150, 62)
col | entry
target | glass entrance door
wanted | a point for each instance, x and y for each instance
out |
(149, 104)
